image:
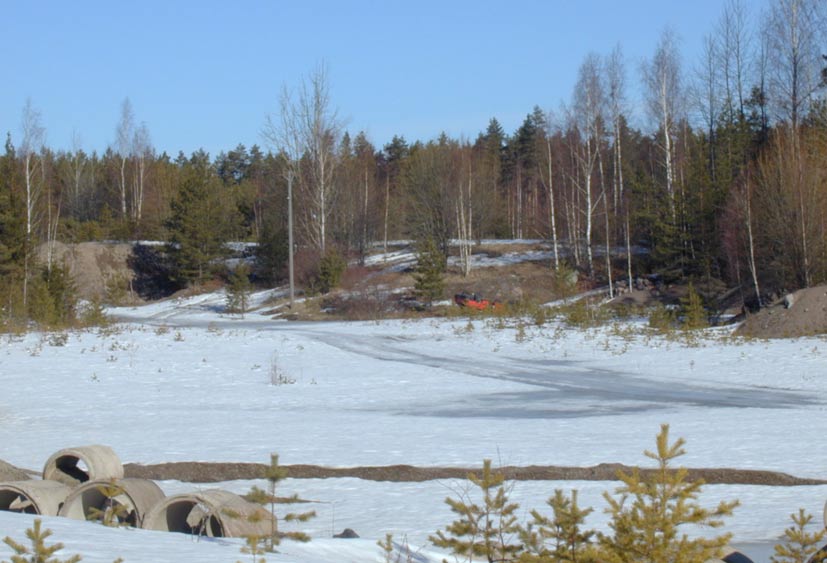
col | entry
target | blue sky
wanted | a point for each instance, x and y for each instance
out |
(205, 74)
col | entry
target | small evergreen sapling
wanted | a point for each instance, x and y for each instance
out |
(430, 271)
(482, 531)
(238, 290)
(113, 513)
(39, 552)
(648, 517)
(799, 545)
(560, 538)
(331, 268)
(274, 473)
(694, 313)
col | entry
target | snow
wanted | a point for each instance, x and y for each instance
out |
(180, 381)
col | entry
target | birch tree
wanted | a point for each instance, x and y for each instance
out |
(733, 49)
(662, 81)
(124, 133)
(616, 83)
(552, 130)
(31, 147)
(589, 108)
(465, 207)
(141, 150)
(319, 128)
(282, 133)
(794, 30)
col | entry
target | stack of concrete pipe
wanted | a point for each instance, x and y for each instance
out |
(87, 483)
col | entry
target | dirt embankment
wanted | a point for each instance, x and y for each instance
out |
(202, 472)
(213, 472)
(9, 472)
(97, 268)
(803, 313)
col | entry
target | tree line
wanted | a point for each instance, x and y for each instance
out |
(724, 177)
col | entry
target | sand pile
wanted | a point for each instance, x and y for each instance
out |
(803, 313)
(94, 266)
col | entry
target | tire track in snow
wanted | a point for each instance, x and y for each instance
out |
(558, 388)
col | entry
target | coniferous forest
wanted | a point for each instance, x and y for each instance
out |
(724, 175)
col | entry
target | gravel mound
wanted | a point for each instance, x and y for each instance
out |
(93, 265)
(9, 472)
(803, 313)
(204, 472)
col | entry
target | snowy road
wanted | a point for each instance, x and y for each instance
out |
(181, 382)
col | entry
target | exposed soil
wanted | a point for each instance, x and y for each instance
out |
(803, 313)
(9, 472)
(203, 472)
(101, 269)
(213, 472)
(95, 267)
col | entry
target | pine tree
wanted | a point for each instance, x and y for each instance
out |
(112, 513)
(256, 548)
(199, 221)
(12, 238)
(238, 290)
(53, 297)
(647, 518)
(272, 252)
(560, 538)
(274, 474)
(39, 552)
(331, 268)
(694, 314)
(430, 270)
(485, 530)
(799, 545)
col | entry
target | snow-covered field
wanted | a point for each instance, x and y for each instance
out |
(177, 381)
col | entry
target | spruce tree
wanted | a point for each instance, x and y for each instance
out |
(799, 545)
(648, 517)
(430, 271)
(485, 530)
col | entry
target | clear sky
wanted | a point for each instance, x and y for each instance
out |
(205, 73)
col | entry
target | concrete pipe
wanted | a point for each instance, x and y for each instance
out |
(212, 513)
(33, 497)
(819, 556)
(74, 466)
(125, 501)
(730, 555)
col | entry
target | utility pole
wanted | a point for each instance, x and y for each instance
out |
(290, 235)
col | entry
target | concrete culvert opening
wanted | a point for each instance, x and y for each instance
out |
(125, 502)
(33, 497)
(212, 513)
(73, 466)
